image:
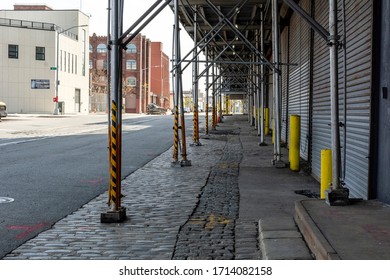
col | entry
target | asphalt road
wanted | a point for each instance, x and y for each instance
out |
(51, 175)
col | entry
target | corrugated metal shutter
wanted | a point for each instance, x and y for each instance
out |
(299, 76)
(359, 28)
(359, 36)
(321, 98)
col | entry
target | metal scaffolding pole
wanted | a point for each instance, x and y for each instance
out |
(276, 83)
(337, 195)
(195, 83)
(262, 78)
(257, 81)
(178, 85)
(207, 91)
(213, 119)
(117, 213)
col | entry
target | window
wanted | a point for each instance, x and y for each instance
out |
(131, 48)
(64, 61)
(90, 48)
(13, 51)
(131, 64)
(75, 64)
(90, 64)
(131, 81)
(40, 53)
(101, 48)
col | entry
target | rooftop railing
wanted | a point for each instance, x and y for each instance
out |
(36, 25)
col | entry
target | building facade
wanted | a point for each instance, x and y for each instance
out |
(40, 48)
(159, 86)
(145, 74)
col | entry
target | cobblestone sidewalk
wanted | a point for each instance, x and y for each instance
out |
(172, 213)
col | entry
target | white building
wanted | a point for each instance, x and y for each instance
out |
(33, 38)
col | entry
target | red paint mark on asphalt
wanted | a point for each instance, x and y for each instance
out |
(26, 229)
(93, 182)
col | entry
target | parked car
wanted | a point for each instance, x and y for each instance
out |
(154, 109)
(3, 110)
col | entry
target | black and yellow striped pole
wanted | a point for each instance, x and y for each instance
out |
(178, 88)
(116, 212)
(195, 83)
(207, 91)
(176, 135)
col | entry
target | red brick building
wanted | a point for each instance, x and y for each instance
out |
(160, 76)
(145, 73)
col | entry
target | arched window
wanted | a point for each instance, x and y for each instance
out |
(131, 48)
(90, 48)
(101, 48)
(131, 64)
(131, 81)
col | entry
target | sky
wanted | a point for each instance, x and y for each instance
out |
(159, 30)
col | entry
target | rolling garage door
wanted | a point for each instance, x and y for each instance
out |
(357, 123)
(299, 75)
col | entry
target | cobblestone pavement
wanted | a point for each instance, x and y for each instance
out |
(172, 213)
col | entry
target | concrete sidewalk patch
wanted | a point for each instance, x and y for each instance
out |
(280, 240)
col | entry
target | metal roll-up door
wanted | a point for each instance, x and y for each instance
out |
(321, 97)
(359, 16)
(299, 75)
(355, 140)
(284, 68)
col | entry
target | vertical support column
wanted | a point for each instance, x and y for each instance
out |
(276, 83)
(117, 213)
(337, 195)
(214, 111)
(207, 90)
(220, 114)
(257, 71)
(175, 61)
(262, 78)
(179, 87)
(195, 83)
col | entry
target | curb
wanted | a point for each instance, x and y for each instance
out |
(316, 241)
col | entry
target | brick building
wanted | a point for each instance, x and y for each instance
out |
(145, 74)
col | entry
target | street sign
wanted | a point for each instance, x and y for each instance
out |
(53, 68)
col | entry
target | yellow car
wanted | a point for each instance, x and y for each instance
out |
(3, 110)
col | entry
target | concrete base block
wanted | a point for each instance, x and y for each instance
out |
(337, 197)
(280, 164)
(185, 163)
(113, 216)
(196, 144)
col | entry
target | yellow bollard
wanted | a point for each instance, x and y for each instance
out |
(266, 121)
(295, 133)
(326, 171)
